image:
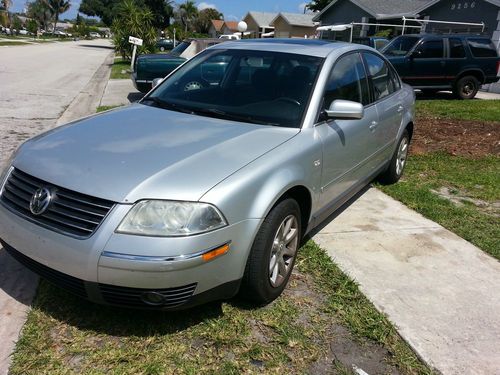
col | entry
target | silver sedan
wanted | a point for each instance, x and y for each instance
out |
(206, 187)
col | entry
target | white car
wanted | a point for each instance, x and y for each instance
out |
(230, 36)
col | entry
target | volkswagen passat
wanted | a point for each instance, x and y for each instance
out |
(206, 187)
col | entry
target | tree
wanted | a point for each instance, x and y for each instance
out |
(16, 23)
(32, 26)
(187, 13)
(40, 12)
(318, 5)
(106, 10)
(133, 20)
(6, 4)
(162, 11)
(204, 20)
(57, 7)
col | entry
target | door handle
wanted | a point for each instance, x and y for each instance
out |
(401, 109)
(373, 125)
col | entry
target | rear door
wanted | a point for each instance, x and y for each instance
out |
(455, 59)
(388, 99)
(347, 144)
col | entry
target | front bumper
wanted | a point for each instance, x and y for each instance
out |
(96, 269)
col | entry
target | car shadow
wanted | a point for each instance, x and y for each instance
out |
(16, 281)
(96, 46)
(116, 321)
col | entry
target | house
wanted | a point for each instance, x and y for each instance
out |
(259, 24)
(294, 25)
(215, 29)
(392, 11)
(229, 27)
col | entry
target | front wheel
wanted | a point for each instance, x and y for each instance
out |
(466, 87)
(398, 162)
(273, 254)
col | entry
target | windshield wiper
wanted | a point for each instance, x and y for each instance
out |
(166, 105)
(214, 112)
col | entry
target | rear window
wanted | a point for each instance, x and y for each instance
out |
(457, 49)
(482, 48)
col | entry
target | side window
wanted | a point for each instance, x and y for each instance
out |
(381, 76)
(430, 49)
(380, 43)
(347, 81)
(457, 49)
(482, 48)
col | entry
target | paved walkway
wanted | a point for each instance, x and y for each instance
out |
(441, 292)
(120, 92)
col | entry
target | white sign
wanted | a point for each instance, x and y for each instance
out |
(136, 41)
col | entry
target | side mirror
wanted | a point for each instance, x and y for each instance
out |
(156, 82)
(345, 109)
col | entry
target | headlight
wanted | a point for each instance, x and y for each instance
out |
(5, 168)
(171, 218)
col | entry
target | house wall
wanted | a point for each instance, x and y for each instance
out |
(212, 32)
(252, 26)
(227, 31)
(474, 11)
(283, 29)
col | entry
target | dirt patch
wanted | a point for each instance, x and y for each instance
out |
(456, 137)
(460, 199)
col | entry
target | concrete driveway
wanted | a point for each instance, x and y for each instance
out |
(38, 84)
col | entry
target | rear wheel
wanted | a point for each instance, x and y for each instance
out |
(273, 254)
(466, 87)
(398, 162)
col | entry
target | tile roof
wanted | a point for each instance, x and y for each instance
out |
(231, 25)
(217, 24)
(263, 19)
(296, 19)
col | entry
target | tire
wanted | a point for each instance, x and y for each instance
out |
(466, 87)
(396, 166)
(262, 283)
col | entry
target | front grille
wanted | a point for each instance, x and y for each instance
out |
(133, 297)
(70, 213)
(70, 283)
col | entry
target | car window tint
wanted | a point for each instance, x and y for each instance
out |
(347, 81)
(430, 49)
(482, 48)
(249, 66)
(457, 49)
(395, 79)
(380, 75)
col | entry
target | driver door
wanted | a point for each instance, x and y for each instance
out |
(347, 144)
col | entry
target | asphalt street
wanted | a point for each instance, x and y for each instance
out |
(38, 83)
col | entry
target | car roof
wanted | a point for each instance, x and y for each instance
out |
(312, 47)
(457, 35)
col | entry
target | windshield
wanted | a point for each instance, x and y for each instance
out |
(400, 46)
(267, 88)
(180, 48)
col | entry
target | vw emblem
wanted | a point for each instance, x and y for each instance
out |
(40, 201)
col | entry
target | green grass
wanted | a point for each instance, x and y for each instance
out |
(64, 334)
(120, 65)
(14, 44)
(466, 178)
(103, 108)
(479, 110)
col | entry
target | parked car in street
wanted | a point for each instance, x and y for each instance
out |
(165, 44)
(206, 187)
(230, 36)
(461, 63)
(151, 66)
(376, 42)
(94, 34)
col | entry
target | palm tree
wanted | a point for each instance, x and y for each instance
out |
(6, 4)
(188, 12)
(57, 7)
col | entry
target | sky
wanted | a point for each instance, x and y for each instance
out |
(233, 10)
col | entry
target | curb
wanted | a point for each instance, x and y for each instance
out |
(86, 102)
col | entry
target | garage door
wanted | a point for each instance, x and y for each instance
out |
(282, 34)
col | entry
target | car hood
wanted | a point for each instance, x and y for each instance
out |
(142, 152)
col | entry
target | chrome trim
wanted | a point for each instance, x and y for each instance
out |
(145, 258)
(5, 178)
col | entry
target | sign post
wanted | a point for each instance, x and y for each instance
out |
(136, 42)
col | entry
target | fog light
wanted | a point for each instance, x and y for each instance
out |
(153, 298)
(215, 252)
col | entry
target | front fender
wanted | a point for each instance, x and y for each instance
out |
(251, 192)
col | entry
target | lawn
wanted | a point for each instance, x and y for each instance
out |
(478, 110)
(321, 313)
(453, 173)
(14, 43)
(120, 69)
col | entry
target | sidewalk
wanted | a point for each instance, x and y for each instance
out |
(440, 291)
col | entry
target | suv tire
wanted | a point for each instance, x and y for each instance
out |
(466, 87)
(398, 162)
(273, 254)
